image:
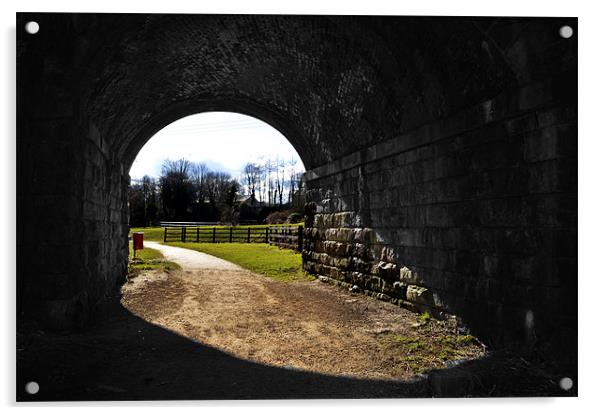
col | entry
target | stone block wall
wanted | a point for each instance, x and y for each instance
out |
(474, 215)
(71, 185)
(105, 219)
(49, 258)
(72, 225)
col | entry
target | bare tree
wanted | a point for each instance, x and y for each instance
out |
(268, 179)
(217, 186)
(279, 181)
(180, 167)
(261, 185)
(199, 174)
(176, 188)
(291, 185)
(252, 174)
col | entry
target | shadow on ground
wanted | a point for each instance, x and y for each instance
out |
(126, 358)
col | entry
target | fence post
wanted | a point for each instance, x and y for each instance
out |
(197, 234)
(183, 236)
(165, 235)
(249, 235)
(300, 238)
(214, 234)
(267, 236)
(230, 234)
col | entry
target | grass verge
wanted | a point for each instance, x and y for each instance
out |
(149, 258)
(279, 264)
(150, 234)
(430, 344)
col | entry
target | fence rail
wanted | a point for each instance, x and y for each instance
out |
(290, 237)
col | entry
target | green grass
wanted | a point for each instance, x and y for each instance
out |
(150, 234)
(424, 317)
(428, 349)
(149, 258)
(412, 344)
(279, 264)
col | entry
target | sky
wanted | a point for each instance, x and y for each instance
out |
(224, 141)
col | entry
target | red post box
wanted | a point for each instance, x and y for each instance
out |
(138, 240)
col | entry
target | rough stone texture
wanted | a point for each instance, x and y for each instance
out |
(441, 152)
(471, 215)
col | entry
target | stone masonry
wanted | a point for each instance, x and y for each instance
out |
(440, 154)
(465, 218)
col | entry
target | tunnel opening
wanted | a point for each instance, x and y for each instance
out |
(214, 156)
(219, 136)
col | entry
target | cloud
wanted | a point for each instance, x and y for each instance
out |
(222, 140)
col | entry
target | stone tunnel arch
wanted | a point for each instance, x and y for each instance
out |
(181, 110)
(441, 152)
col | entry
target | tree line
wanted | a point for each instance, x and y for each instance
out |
(188, 191)
(274, 182)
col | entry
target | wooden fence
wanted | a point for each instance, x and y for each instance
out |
(290, 237)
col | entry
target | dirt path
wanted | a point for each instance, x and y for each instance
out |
(191, 260)
(306, 325)
(217, 331)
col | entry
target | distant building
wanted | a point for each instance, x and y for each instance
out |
(250, 201)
